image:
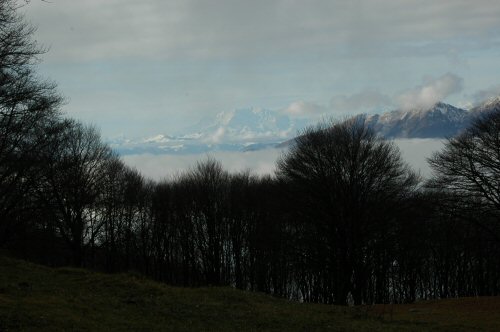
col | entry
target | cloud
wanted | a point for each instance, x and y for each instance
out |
(362, 101)
(429, 93)
(163, 166)
(217, 136)
(415, 152)
(97, 29)
(483, 95)
(304, 109)
(422, 96)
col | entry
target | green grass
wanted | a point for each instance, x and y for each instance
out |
(37, 298)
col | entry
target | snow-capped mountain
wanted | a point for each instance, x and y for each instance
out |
(246, 125)
(442, 120)
(491, 105)
(256, 129)
(238, 130)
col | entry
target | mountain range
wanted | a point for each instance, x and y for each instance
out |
(255, 129)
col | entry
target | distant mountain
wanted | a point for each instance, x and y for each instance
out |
(239, 130)
(442, 120)
(256, 129)
(491, 105)
(247, 125)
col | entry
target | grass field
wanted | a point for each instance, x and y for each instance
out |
(37, 298)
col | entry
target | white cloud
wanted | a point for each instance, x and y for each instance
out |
(414, 151)
(422, 96)
(485, 94)
(217, 136)
(429, 93)
(164, 166)
(304, 109)
(362, 101)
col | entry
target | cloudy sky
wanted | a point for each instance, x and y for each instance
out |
(153, 66)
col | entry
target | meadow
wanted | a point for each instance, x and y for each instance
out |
(38, 298)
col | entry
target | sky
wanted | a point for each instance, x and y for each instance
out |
(139, 68)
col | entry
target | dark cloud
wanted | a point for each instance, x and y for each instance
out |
(96, 29)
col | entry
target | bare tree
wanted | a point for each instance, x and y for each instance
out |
(28, 108)
(345, 183)
(469, 169)
(208, 187)
(470, 163)
(73, 180)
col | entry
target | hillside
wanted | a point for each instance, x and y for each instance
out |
(36, 298)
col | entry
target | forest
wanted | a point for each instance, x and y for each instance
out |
(343, 220)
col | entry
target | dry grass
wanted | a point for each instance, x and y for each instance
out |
(36, 298)
(481, 313)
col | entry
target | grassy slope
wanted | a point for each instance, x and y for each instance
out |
(36, 298)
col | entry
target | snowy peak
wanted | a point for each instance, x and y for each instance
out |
(248, 124)
(252, 129)
(258, 120)
(238, 130)
(490, 105)
(441, 120)
(158, 139)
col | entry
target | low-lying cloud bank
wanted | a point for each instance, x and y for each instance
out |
(414, 151)
(165, 166)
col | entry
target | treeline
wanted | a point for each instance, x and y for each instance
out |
(342, 220)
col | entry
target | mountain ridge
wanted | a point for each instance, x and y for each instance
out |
(252, 129)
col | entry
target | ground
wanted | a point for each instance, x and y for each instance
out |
(37, 298)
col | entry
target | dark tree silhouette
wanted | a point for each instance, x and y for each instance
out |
(345, 183)
(469, 168)
(470, 162)
(208, 185)
(73, 179)
(28, 106)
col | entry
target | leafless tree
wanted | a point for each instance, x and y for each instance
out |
(468, 168)
(28, 108)
(345, 182)
(470, 163)
(73, 179)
